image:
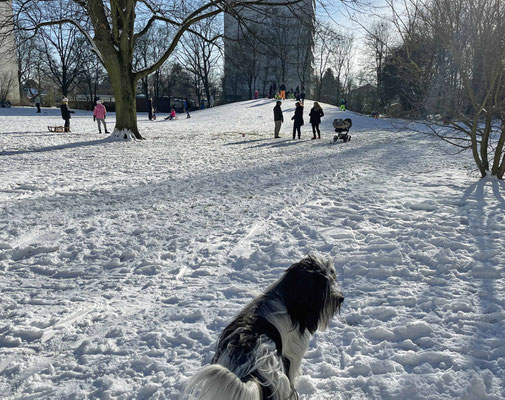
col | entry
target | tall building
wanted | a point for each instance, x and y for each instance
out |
(9, 83)
(267, 46)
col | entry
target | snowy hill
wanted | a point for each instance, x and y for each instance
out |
(121, 262)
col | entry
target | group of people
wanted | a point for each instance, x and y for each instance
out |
(151, 110)
(315, 115)
(283, 94)
(99, 115)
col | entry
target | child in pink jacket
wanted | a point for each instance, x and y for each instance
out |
(99, 115)
(172, 114)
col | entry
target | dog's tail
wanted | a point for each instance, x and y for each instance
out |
(215, 382)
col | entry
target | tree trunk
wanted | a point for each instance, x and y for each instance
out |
(475, 149)
(126, 103)
(498, 169)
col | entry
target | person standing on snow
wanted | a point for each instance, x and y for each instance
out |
(315, 119)
(282, 88)
(278, 119)
(302, 95)
(298, 120)
(65, 113)
(99, 114)
(150, 109)
(343, 103)
(37, 103)
(186, 107)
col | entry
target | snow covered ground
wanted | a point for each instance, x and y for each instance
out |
(121, 262)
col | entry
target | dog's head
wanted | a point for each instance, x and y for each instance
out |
(310, 292)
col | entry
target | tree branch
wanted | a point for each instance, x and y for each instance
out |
(77, 25)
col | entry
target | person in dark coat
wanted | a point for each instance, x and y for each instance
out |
(37, 103)
(65, 113)
(278, 118)
(315, 119)
(302, 95)
(186, 107)
(150, 109)
(298, 120)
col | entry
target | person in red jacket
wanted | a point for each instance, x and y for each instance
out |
(99, 114)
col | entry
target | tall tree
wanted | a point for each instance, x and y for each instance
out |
(378, 43)
(92, 75)
(333, 51)
(200, 52)
(63, 51)
(470, 36)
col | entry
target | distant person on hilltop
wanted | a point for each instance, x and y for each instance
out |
(343, 103)
(302, 95)
(278, 119)
(298, 120)
(315, 119)
(282, 88)
(99, 114)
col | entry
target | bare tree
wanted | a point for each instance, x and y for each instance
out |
(378, 43)
(333, 50)
(305, 58)
(200, 53)
(92, 75)
(29, 62)
(471, 37)
(6, 83)
(63, 50)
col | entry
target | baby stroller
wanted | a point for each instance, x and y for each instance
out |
(342, 127)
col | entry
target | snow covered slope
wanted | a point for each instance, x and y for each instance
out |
(121, 262)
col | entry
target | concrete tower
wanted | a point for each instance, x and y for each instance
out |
(265, 46)
(9, 84)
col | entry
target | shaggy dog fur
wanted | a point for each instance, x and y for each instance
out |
(258, 355)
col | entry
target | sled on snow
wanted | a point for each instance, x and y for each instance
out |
(342, 127)
(56, 128)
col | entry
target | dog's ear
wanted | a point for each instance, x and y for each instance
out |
(305, 289)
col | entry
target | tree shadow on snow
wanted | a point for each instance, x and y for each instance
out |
(476, 191)
(31, 133)
(261, 102)
(56, 147)
(482, 215)
(280, 143)
(245, 142)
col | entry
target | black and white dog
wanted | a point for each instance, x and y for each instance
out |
(259, 354)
